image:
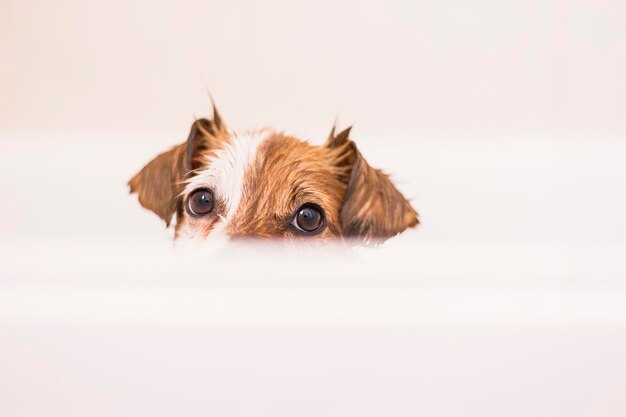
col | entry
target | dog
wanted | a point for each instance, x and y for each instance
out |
(266, 184)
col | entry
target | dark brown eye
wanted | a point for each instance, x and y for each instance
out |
(309, 219)
(200, 202)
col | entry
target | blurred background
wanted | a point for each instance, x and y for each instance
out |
(504, 122)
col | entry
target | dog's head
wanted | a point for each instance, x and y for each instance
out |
(266, 184)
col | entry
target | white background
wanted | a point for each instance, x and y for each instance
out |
(504, 122)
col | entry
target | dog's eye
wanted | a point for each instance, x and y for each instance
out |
(309, 219)
(200, 202)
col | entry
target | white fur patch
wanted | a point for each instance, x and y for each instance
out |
(226, 169)
(191, 239)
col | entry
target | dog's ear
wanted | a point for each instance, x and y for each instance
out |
(159, 184)
(373, 209)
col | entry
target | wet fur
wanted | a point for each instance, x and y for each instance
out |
(261, 188)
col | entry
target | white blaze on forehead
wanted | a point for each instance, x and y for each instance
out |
(226, 168)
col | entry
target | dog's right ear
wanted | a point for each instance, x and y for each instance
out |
(159, 184)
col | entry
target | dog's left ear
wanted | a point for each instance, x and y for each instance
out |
(159, 184)
(373, 209)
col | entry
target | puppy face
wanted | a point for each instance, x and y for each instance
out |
(265, 184)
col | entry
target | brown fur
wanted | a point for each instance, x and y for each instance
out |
(373, 209)
(287, 174)
(159, 184)
(359, 202)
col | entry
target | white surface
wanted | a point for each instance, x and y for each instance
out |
(510, 299)
(504, 121)
(387, 65)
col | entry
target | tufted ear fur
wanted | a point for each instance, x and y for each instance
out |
(159, 184)
(373, 209)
